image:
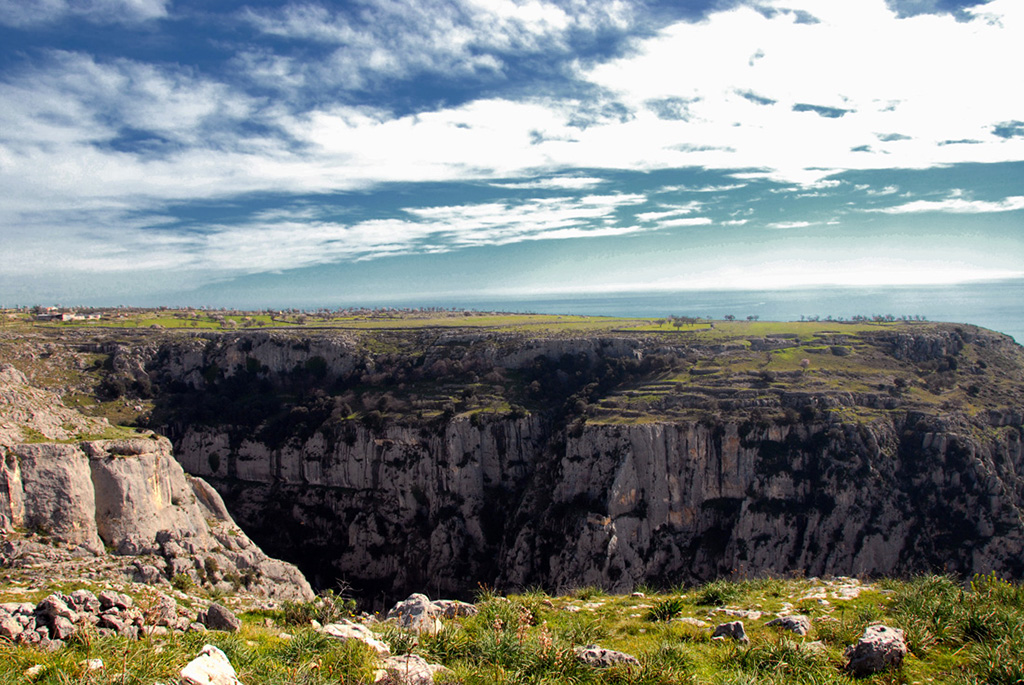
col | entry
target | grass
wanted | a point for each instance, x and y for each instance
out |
(958, 633)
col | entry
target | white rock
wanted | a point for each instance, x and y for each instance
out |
(347, 630)
(415, 614)
(211, 667)
(408, 669)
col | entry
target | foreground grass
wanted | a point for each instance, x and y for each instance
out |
(957, 634)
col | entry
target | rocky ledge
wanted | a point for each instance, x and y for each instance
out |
(127, 498)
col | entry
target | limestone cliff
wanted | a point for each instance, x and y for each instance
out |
(409, 461)
(814, 476)
(129, 496)
(617, 506)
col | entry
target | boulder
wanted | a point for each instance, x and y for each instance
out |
(416, 614)
(733, 629)
(211, 667)
(600, 657)
(113, 622)
(9, 627)
(115, 600)
(801, 625)
(165, 613)
(61, 628)
(84, 601)
(451, 608)
(53, 606)
(879, 648)
(348, 630)
(221, 618)
(408, 669)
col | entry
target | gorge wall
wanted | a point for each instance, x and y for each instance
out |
(126, 496)
(426, 489)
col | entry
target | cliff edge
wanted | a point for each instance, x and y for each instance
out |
(125, 496)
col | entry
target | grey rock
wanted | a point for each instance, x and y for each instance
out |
(15, 608)
(148, 574)
(600, 657)
(346, 630)
(84, 601)
(53, 606)
(733, 629)
(58, 493)
(113, 622)
(416, 614)
(9, 628)
(219, 617)
(409, 669)
(115, 600)
(61, 628)
(29, 637)
(801, 625)
(879, 648)
(450, 608)
(165, 613)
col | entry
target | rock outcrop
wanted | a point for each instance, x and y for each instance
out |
(129, 496)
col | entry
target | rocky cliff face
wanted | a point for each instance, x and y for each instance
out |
(617, 506)
(434, 462)
(670, 502)
(385, 510)
(129, 496)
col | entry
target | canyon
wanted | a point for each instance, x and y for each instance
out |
(393, 461)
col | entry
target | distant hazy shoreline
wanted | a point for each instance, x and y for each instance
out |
(997, 305)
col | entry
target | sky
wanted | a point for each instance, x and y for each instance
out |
(259, 153)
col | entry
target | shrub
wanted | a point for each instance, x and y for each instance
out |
(666, 609)
(717, 593)
(327, 608)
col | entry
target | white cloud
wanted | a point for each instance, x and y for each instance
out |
(701, 189)
(670, 210)
(955, 204)
(23, 13)
(391, 39)
(688, 221)
(557, 183)
(789, 224)
(925, 80)
(301, 236)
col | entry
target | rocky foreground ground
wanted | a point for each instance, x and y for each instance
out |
(841, 630)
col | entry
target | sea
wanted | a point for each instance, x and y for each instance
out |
(996, 305)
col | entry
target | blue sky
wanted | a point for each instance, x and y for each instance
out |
(280, 153)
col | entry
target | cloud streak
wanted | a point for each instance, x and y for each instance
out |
(956, 205)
